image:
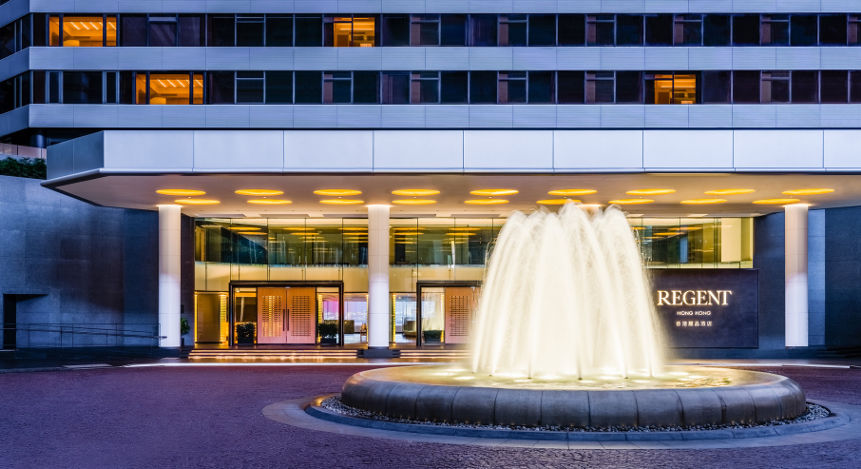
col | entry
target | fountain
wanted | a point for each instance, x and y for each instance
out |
(566, 336)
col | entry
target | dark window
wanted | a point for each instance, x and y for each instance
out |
(366, 87)
(309, 88)
(396, 88)
(482, 87)
(249, 87)
(309, 31)
(853, 32)
(453, 30)
(424, 87)
(38, 87)
(803, 30)
(221, 32)
(190, 31)
(774, 87)
(542, 30)
(745, 87)
(279, 87)
(541, 89)
(832, 30)
(279, 31)
(600, 30)
(659, 30)
(127, 87)
(111, 87)
(716, 87)
(688, 30)
(629, 30)
(82, 87)
(40, 32)
(396, 30)
(7, 95)
(834, 86)
(337, 87)
(512, 30)
(162, 31)
(805, 87)
(600, 87)
(133, 30)
(221, 87)
(482, 30)
(512, 87)
(249, 31)
(7, 40)
(572, 30)
(774, 30)
(716, 30)
(629, 87)
(855, 87)
(570, 85)
(26, 33)
(53, 87)
(453, 87)
(745, 30)
(424, 30)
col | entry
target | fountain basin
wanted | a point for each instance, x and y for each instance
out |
(682, 396)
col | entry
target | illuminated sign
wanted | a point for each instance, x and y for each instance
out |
(693, 297)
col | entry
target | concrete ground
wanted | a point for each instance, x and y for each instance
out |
(210, 417)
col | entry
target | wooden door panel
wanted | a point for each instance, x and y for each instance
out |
(302, 316)
(271, 322)
(460, 303)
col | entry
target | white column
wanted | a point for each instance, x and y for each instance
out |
(169, 264)
(378, 276)
(795, 240)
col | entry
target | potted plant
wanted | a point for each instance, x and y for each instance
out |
(328, 332)
(432, 337)
(245, 333)
(184, 328)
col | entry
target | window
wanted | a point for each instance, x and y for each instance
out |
(629, 87)
(832, 30)
(803, 30)
(221, 31)
(745, 87)
(629, 30)
(309, 31)
(659, 30)
(279, 87)
(279, 31)
(396, 88)
(855, 87)
(54, 87)
(541, 88)
(512, 88)
(512, 30)
(599, 30)
(600, 88)
(162, 31)
(454, 87)
(805, 86)
(127, 88)
(82, 87)
(774, 30)
(249, 31)
(366, 87)
(396, 30)
(482, 30)
(542, 30)
(834, 86)
(111, 87)
(133, 30)
(745, 30)
(83, 31)
(453, 30)
(337, 87)
(570, 86)
(572, 30)
(424, 30)
(7, 40)
(774, 87)
(190, 31)
(346, 31)
(716, 30)
(671, 88)
(40, 31)
(716, 87)
(688, 30)
(221, 87)
(424, 87)
(170, 88)
(309, 88)
(249, 87)
(39, 87)
(853, 33)
(482, 88)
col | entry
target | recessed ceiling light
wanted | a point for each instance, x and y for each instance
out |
(667, 233)
(776, 201)
(465, 228)
(631, 201)
(259, 192)
(494, 192)
(810, 191)
(557, 201)
(244, 228)
(197, 201)
(704, 201)
(354, 228)
(270, 201)
(415, 192)
(414, 202)
(342, 201)
(251, 233)
(181, 192)
(485, 202)
(650, 191)
(637, 228)
(337, 192)
(407, 233)
(730, 191)
(569, 192)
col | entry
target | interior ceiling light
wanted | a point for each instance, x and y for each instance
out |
(465, 228)
(342, 201)
(650, 191)
(259, 192)
(631, 201)
(557, 201)
(494, 192)
(337, 192)
(569, 192)
(415, 192)
(244, 228)
(667, 233)
(270, 201)
(730, 191)
(181, 192)
(300, 229)
(704, 201)
(810, 191)
(305, 234)
(637, 228)
(485, 202)
(414, 202)
(197, 201)
(354, 228)
(776, 201)
(251, 233)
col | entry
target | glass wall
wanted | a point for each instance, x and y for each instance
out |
(695, 242)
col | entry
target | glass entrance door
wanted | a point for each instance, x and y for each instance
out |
(271, 315)
(460, 303)
(301, 316)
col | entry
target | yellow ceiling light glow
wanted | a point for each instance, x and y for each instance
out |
(197, 201)
(337, 192)
(776, 201)
(809, 191)
(251, 233)
(570, 192)
(415, 192)
(354, 228)
(557, 201)
(181, 192)
(650, 191)
(342, 201)
(631, 201)
(259, 192)
(485, 202)
(494, 192)
(465, 228)
(668, 233)
(414, 202)
(730, 191)
(704, 201)
(270, 201)
(244, 228)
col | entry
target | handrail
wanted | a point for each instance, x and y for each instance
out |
(61, 334)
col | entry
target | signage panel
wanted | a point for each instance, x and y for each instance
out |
(707, 307)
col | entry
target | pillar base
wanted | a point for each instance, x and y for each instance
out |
(378, 352)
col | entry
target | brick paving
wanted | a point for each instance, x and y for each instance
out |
(210, 417)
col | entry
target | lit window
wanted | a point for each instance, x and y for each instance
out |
(83, 31)
(170, 88)
(351, 31)
(673, 89)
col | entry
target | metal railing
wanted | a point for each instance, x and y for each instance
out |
(76, 335)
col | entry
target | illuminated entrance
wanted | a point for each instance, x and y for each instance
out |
(446, 312)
